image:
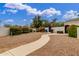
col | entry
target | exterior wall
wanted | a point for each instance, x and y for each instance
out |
(47, 29)
(77, 32)
(55, 29)
(34, 29)
(4, 31)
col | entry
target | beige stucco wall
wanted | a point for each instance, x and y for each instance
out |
(55, 29)
(4, 31)
(77, 32)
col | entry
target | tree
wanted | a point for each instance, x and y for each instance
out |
(45, 23)
(37, 22)
(53, 23)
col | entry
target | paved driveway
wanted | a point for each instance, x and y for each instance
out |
(59, 45)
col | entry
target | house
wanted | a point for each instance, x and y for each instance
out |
(71, 22)
(66, 25)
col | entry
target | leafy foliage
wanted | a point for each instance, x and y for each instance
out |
(57, 24)
(45, 23)
(15, 30)
(19, 30)
(72, 31)
(37, 22)
(26, 30)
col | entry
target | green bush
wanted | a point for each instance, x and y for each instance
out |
(15, 30)
(72, 31)
(19, 30)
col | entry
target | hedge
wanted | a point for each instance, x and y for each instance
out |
(15, 31)
(26, 30)
(19, 30)
(72, 31)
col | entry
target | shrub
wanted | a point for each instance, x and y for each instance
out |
(15, 30)
(72, 31)
(19, 30)
(26, 30)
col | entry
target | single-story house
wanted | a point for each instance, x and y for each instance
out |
(71, 22)
(66, 25)
(55, 29)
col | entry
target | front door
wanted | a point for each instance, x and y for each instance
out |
(66, 28)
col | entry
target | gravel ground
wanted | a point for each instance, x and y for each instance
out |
(59, 45)
(10, 42)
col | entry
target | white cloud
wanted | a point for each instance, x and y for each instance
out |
(9, 10)
(15, 6)
(12, 11)
(24, 19)
(9, 21)
(51, 11)
(34, 11)
(71, 14)
(20, 6)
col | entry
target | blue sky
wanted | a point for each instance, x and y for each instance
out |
(22, 14)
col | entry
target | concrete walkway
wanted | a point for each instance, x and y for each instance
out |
(28, 48)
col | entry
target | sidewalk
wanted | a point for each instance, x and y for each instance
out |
(28, 48)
